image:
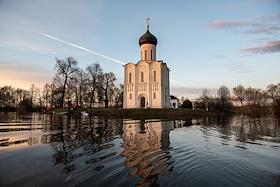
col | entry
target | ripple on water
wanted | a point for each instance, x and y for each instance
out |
(238, 151)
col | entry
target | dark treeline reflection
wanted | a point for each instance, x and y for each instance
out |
(85, 146)
(245, 129)
(78, 137)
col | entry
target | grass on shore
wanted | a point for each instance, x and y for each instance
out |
(143, 113)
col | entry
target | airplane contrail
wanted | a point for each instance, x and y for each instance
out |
(87, 50)
(78, 46)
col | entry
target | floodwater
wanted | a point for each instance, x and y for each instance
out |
(61, 150)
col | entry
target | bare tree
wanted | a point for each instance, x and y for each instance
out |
(34, 95)
(205, 98)
(32, 92)
(64, 69)
(239, 92)
(250, 95)
(52, 94)
(261, 98)
(107, 83)
(93, 71)
(7, 98)
(119, 96)
(77, 85)
(19, 95)
(273, 91)
(46, 94)
(224, 97)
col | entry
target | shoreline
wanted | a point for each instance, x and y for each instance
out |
(112, 113)
(153, 113)
(159, 113)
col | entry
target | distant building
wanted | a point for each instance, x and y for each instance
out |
(174, 102)
(146, 83)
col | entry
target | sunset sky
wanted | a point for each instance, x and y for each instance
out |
(204, 43)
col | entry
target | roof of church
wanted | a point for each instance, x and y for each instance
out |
(148, 38)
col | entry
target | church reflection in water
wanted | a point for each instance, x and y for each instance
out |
(98, 151)
(146, 144)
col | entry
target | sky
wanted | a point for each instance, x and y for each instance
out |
(205, 44)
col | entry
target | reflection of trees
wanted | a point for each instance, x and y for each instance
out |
(76, 138)
(61, 155)
(251, 129)
(245, 128)
(224, 128)
(146, 149)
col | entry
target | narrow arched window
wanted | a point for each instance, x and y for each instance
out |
(145, 55)
(151, 54)
(130, 96)
(129, 77)
(155, 76)
(142, 76)
(154, 95)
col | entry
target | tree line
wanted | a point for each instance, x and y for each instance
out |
(75, 87)
(72, 86)
(241, 98)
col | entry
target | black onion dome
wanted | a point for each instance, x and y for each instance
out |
(148, 38)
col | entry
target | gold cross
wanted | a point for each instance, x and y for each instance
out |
(148, 22)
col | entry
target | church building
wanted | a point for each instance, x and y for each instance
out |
(146, 83)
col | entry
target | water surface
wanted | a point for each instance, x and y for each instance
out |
(45, 150)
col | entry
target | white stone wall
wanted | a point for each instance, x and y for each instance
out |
(165, 91)
(140, 81)
(155, 84)
(174, 103)
(142, 87)
(154, 90)
(129, 86)
(148, 52)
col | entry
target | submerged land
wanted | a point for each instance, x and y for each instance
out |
(164, 113)
(152, 113)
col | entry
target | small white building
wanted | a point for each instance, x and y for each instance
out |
(146, 83)
(174, 102)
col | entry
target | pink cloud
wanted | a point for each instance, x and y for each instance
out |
(269, 47)
(220, 24)
(270, 29)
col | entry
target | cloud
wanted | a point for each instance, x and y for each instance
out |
(272, 18)
(263, 29)
(265, 24)
(269, 47)
(221, 24)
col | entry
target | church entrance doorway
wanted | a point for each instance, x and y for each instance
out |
(142, 102)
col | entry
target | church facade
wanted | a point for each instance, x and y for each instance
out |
(146, 83)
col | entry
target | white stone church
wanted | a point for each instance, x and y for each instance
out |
(146, 83)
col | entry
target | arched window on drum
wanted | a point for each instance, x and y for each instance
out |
(129, 77)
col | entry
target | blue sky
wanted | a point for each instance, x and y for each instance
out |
(205, 43)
